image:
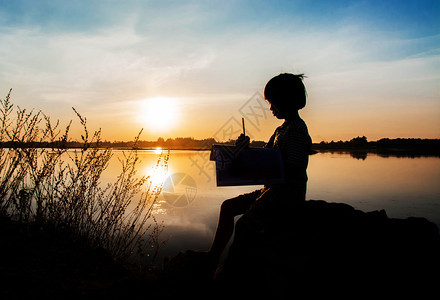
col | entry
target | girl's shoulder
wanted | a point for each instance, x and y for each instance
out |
(297, 124)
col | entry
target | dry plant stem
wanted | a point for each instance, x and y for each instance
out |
(56, 187)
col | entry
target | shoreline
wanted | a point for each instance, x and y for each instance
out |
(314, 150)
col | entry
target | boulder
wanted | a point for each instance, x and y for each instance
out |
(333, 249)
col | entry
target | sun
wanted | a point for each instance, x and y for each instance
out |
(159, 113)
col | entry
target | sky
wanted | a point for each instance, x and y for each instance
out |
(195, 68)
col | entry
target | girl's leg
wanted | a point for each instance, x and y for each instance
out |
(229, 209)
(225, 228)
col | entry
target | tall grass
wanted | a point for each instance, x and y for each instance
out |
(54, 187)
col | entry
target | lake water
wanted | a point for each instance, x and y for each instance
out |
(189, 203)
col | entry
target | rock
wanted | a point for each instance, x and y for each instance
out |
(330, 248)
(188, 274)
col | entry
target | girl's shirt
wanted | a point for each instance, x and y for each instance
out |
(293, 140)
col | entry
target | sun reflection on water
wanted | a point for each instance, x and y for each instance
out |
(158, 171)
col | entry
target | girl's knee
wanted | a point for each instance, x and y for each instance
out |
(238, 205)
(227, 206)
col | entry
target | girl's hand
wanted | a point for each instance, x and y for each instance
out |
(242, 141)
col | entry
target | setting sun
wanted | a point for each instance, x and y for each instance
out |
(159, 113)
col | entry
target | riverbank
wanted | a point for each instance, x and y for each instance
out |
(326, 247)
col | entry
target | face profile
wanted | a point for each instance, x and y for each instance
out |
(286, 94)
(278, 112)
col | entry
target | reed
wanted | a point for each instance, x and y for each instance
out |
(62, 189)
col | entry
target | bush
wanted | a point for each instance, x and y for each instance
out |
(54, 187)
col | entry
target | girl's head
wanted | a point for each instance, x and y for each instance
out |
(286, 93)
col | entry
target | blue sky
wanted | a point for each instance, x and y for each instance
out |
(373, 67)
(413, 18)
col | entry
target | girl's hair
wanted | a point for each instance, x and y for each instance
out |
(286, 91)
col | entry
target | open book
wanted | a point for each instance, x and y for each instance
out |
(247, 166)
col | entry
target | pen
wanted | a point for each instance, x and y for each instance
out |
(242, 122)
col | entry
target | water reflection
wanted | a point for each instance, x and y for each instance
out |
(402, 186)
(158, 150)
(359, 155)
(157, 172)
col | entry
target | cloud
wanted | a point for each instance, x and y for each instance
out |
(79, 67)
(137, 56)
(189, 51)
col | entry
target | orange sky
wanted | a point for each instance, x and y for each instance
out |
(189, 69)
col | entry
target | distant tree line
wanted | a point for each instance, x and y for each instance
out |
(385, 145)
(170, 143)
(429, 146)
